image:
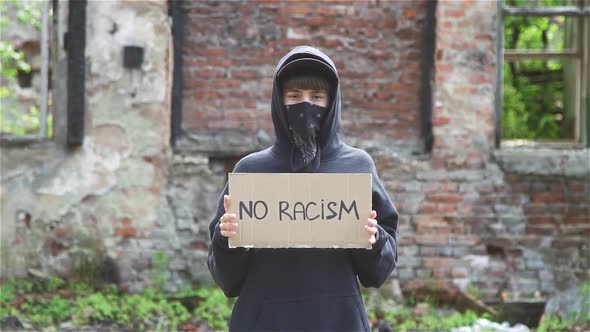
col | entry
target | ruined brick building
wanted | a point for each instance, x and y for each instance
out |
(140, 170)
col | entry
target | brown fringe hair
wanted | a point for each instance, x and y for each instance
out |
(307, 81)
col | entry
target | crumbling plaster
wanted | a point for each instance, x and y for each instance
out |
(54, 197)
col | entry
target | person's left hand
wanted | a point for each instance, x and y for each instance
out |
(371, 227)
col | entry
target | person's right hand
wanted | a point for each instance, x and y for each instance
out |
(227, 223)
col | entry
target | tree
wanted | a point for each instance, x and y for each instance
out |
(534, 90)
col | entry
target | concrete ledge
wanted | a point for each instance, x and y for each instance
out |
(223, 143)
(534, 158)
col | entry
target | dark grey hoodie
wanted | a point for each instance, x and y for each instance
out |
(305, 289)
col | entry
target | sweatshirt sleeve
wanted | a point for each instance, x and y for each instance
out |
(228, 266)
(375, 265)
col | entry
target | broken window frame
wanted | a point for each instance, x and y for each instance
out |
(580, 54)
(41, 135)
(68, 64)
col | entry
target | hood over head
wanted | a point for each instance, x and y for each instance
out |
(306, 59)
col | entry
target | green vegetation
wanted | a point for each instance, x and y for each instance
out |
(86, 300)
(578, 320)
(215, 308)
(555, 323)
(147, 310)
(160, 263)
(12, 62)
(416, 316)
(47, 304)
(536, 101)
(28, 12)
(406, 320)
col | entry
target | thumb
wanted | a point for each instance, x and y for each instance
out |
(373, 214)
(226, 203)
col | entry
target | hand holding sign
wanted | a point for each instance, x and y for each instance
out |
(227, 222)
(372, 227)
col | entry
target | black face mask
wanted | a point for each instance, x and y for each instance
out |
(304, 120)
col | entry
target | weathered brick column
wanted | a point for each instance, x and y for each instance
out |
(464, 83)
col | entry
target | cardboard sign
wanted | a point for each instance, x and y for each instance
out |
(300, 210)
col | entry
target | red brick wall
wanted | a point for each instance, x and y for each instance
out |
(232, 48)
(558, 208)
(555, 206)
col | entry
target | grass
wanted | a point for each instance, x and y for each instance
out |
(45, 304)
(428, 316)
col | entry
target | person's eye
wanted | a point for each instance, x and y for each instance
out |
(319, 97)
(293, 96)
